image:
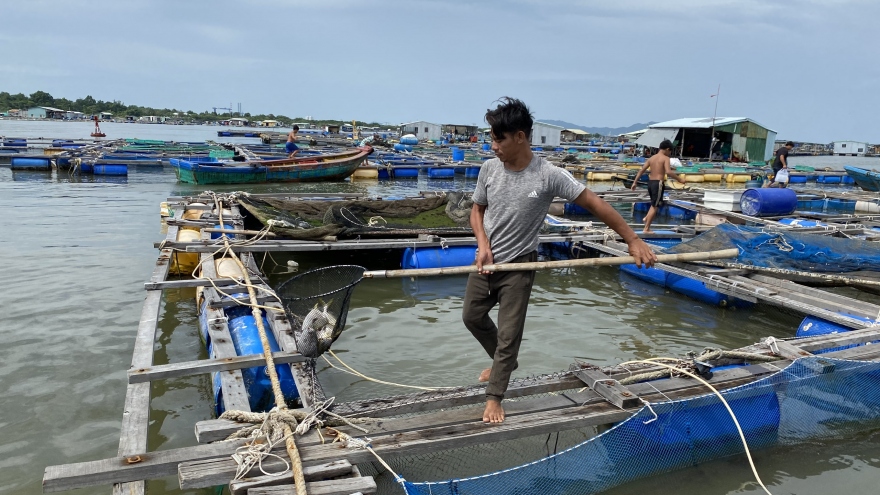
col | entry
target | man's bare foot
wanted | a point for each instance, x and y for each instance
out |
(484, 376)
(647, 231)
(493, 413)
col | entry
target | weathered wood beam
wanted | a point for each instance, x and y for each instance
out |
(176, 370)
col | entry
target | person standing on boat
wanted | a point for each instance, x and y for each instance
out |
(291, 146)
(660, 167)
(512, 196)
(781, 162)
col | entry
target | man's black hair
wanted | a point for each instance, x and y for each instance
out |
(296, 128)
(511, 115)
(666, 145)
(790, 144)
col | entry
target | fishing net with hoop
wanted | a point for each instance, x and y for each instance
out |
(316, 303)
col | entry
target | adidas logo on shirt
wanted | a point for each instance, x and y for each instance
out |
(533, 194)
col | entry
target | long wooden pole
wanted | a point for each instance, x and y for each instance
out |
(547, 265)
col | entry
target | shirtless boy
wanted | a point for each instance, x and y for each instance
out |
(660, 168)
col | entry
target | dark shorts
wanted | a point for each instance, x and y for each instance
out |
(655, 192)
(291, 147)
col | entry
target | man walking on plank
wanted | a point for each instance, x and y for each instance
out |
(512, 196)
(660, 168)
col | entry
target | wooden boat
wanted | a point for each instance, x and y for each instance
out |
(866, 179)
(314, 168)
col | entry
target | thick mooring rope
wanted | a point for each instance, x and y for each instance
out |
(286, 423)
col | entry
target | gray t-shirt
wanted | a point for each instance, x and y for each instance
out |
(516, 203)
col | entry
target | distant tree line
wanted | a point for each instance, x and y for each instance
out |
(91, 106)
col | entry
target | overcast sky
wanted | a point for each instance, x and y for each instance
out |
(807, 69)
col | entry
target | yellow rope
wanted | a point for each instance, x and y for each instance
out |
(292, 451)
(654, 361)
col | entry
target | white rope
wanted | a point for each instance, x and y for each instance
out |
(742, 436)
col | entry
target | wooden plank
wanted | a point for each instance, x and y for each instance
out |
(136, 411)
(611, 390)
(870, 310)
(346, 486)
(232, 283)
(212, 430)
(176, 370)
(363, 244)
(164, 463)
(787, 350)
(854, 337)
(311, 473)
(231, 382)
(420, 402)
(816, 297)
(188, 471)
(229, 303)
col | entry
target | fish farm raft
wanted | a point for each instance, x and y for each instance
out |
(278, 432)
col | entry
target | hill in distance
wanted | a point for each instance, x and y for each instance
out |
(605, 131)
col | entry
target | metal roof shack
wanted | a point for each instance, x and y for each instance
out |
(574, 135)
(725, 138)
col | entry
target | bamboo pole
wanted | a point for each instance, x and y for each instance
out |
(547, 265)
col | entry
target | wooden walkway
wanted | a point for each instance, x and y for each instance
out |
(410, 424)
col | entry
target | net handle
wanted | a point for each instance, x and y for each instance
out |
(547, 265)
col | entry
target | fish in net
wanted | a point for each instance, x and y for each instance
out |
(316, 303)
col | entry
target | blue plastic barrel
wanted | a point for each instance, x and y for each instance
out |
(87, 167)
(847, 180)
(487, 146)
(696, 290)
(642, 206)
(402, 147)
(558, 149)
(797, 179)
(29, 163)
(457, 154)
(812, 326)
(409, 140)
(651, 275)
(217, 235)
(472, 172)
(246, 338)
(405, 172)
(440, 172)
(438, 257)
(383, 173)
(768, 202)
(110, 169)
(576, 209)
(680, 213)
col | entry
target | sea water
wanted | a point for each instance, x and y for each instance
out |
(76, 252)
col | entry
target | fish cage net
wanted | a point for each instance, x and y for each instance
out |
(316, 303)
(813, 398)
(786, 250)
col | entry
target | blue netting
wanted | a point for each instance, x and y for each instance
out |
(812, 398)
(788, 250)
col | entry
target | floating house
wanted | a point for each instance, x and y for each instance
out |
(850, 148)
(270, 123)
(45, 113)
(330, 128)
(544, 134)
(238, 121)
(735, 138)
(572, 135)
(422, 130)
(106, 116)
